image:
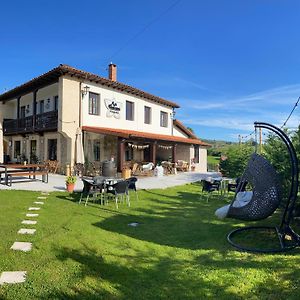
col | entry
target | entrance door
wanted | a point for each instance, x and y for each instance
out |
(52, 149)
(33, 157)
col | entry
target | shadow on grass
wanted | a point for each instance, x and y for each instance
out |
(144, 276)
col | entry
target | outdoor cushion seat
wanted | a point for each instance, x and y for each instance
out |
(241, 199)
(266, 191)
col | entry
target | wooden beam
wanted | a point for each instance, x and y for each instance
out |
(153, 152)
(121, 154)
(18, 107)
(174, 153)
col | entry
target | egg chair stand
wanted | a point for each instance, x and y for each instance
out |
(266, 199)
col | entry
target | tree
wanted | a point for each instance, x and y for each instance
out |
(277, 154)
(237, 157)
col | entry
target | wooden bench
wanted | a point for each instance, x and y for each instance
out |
(30, 173)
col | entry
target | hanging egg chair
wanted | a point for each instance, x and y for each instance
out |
(266, 198)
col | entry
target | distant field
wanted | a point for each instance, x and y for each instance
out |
(213, 160)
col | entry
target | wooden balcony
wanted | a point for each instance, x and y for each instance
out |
(38, 123)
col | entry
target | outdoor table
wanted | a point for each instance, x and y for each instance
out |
(108, 182)
(224, 185)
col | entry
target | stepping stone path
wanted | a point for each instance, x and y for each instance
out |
(21, 246)
(29, 222)
(20, 276)
(26, 231)
(12, 277)
(32, 215)
(34, 208)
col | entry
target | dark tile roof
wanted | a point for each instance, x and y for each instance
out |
(53, 75)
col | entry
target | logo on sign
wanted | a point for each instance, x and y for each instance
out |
(113, 108)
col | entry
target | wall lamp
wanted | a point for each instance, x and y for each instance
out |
(85, 90)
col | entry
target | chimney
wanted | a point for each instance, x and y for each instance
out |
(112, 72)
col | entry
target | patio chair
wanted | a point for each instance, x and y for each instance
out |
(266, 198)
(210, 186)
(132, 185)
(119, 189)
(231, 187)
(91, 190)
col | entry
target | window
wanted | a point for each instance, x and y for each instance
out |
(42, 106)
(17, 149)
(128, 154)
(52, 149)
(96, 149)
(147, 115)
(94, 104)
(55, 102)
(196, 154)
(129, 111)
(163, 119)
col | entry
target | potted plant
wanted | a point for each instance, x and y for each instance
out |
(70, 183)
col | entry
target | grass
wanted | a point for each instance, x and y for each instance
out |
(214, 160)
(179, 251)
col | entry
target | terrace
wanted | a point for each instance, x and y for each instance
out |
(31, 124)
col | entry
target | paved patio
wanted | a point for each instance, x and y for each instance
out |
(57, 182)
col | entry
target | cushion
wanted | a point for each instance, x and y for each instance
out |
(222, 212)
(242, 198)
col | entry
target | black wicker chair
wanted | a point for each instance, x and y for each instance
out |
(266, 191)
(267, 195)
(132, 185)
(119, 189)
(210, 186)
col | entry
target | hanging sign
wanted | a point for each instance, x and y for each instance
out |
(138, 147)
(113, 108)
(165, 147)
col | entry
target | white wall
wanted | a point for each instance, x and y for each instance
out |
(138, 124)
(178, 132)
(48, 92)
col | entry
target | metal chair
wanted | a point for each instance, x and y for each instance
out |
(210, 186)
(91, 190)
(119, 189)
(132, 185)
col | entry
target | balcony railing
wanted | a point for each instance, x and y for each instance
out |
(38, 123)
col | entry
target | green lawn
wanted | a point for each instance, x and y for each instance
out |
(214, 160)
(179, 251)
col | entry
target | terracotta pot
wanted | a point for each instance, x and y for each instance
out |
(70, 187)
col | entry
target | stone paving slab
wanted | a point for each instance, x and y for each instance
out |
(57, 182)
(32, 215)
(42, 198)
(21, 246)
(29, 222)
(34, 208)
(39, 202)
(12, 277)
(26, 231)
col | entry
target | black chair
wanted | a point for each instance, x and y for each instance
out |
(119, 189)
(231, 187)
(132, 185)
(267, 196)
(210, 186)
(89, 189)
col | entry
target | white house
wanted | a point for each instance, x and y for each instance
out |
(42, 119)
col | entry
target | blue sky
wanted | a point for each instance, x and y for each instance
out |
(227, 63)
